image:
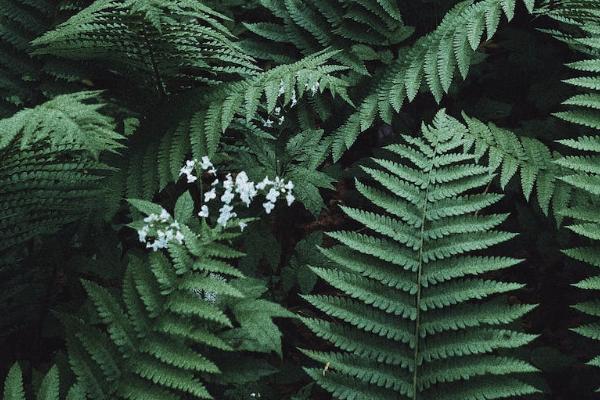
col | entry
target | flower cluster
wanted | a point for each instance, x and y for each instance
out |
(163, 228)
(239, 188)
(191, 165)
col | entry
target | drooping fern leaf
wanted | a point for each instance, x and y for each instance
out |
(166, 336)
(50, 172)
(413, 315)
(167, 44)
(434, 58)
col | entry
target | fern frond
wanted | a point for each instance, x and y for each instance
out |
(164, 337)
(434, 58)
(169, 45)
(583, 173)
(50, 172)
(359, 29)
(414, 316)
(27, 80)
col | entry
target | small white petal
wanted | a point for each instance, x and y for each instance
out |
(211, 194)
(290, 199)
(268, 207)
(203, 212)
(206, 164)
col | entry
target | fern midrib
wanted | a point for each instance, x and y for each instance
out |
(419, 274)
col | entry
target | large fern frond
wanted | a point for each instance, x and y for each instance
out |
(509, 154)
(584, 165)
(413, 315)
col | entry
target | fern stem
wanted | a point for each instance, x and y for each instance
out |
(419, 274)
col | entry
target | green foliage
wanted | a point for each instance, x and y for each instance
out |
(239, 106)
(297, 160)
(434, 58)
(162, 338)
(361, 29)
(510, 154)
(584, 166)
(48, 390)
(152, 41)
(50, 173)
(418, 318)
(386, 270)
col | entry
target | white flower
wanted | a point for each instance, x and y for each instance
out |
(262, 185)
(225, 215)
(215, 182)
(272, 195)
(143, 233)
(188, 170)
(268, 207)
(175, 225)
(227, 196)
(203, 212)
(212, 171)
(151, 218)
(277, 110)
(206, 164)
(164, 215)
(290, 199)
(211, 194)
(228, 184)
(289, 185)
(191, 178)
(169, 235)
(246, 189)
(268, 123)
(280, 120)
(243, 226)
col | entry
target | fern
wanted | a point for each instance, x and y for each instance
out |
(26, 80)
(584, 166)
(48, 390)
(511, 155)
(50, 173)
(415, 317)
(360, 29)
(154, 163)
(434, 58)
(167, 341)
(168, 45)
